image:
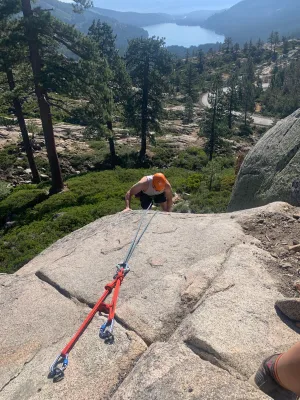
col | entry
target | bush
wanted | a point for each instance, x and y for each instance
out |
(182, 207)
(163, 155)
(193, 159)
(192, 183)
(245, 130)
(19, 201)
(8, 157)
(56, 202)
(5, 189)
(209, 202)
(227, 182)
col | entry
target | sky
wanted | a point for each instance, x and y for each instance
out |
(166, 6)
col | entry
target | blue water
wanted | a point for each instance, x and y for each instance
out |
(183, 35)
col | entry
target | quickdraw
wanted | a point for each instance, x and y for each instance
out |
(106, 330)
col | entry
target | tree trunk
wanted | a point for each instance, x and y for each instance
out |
(145, 110)
(111, 142)
(19, 114)
(45, 112)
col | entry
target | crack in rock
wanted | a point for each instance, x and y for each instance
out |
(65, 255)
(283, 163)
(62, 291)
(207, 353)
(17, 374)
(82, 301)
(162, 233)
(221, 290)
(204, 296)
(115, 249)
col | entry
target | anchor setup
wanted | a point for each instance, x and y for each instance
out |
(106, 330)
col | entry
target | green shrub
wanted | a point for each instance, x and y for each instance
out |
(182, 207)
(56, 202)
(163, 155)
(227, 182)
(192, 183)
(193, 159)
(209, 202)
(245, 130)
(21, 244)
(42, 164)
(5, 189)
(20, 200)
(98, 145)
(8, 157)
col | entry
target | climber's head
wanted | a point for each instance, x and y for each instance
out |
(159, 182)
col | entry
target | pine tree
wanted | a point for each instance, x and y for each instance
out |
(119, 84)
(32, 25)
(188, 111)
(236, 48)
(276, 41)
(190, 81)
(271, 40)
(246, 48)
(228, 44)
(231, 98)
(285, 45)
(213, 120)
(247, 94)
(149, 64)
(200, 62)
(187, 57)
(259, 44)
(12, 54)
(249, 69)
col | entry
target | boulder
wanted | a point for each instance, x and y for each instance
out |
(173, 372)
(197, 283)
(290, 308)
(271, 170)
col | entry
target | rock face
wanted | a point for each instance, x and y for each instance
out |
(195, 317)
(271, 170)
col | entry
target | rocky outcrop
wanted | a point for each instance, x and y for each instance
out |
(196, 315)
(271, 170)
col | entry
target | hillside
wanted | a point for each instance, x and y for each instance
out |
(168, 6)
(145, 19)
(134, 18)
(253, 19)
(195, 17)
(82, 22)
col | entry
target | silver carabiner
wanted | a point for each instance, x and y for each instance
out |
(106, 330)
(57, 372)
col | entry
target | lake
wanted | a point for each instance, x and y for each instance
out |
(183, 35)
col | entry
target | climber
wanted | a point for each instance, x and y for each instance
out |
(279, 375)
(151, 189)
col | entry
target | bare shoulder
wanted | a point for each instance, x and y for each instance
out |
(144, 180)
(142, 184)
(168, 185)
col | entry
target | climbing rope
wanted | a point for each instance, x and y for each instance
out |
(106, 330)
